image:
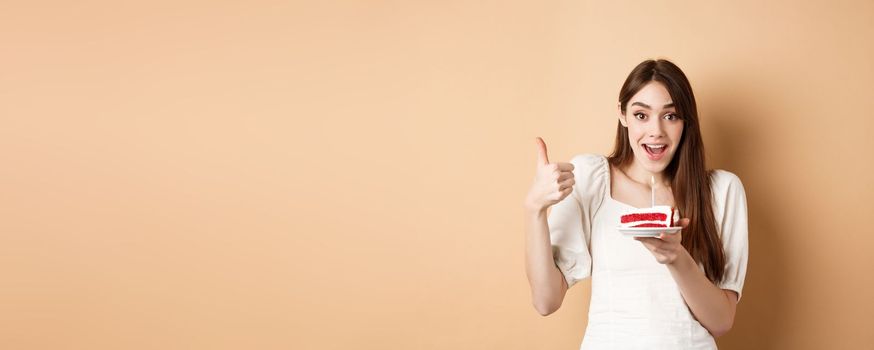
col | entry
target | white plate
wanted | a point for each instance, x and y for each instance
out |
(648, 231)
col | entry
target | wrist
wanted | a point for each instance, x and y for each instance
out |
(682, 261)
(534, 208)
(534, 211)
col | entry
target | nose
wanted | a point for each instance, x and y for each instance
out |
(656, 129)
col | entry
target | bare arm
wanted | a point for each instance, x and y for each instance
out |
(713, 307)
(552, 183)
(548, 286)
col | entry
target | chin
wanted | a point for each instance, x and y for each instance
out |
(654, 167)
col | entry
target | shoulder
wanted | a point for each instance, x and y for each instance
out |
(591, 173)
(587, 161)
(723, 178)
(724, 182)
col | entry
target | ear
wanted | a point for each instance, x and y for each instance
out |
(622, 119)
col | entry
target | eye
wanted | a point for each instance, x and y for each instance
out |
(640, 116)
(671, 116)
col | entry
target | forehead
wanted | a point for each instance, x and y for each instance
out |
(652, 94)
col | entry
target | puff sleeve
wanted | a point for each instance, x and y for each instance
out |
(730, 210)
(570, 220)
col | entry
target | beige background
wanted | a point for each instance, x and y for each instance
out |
(350, 175)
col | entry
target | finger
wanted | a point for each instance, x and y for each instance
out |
(565, 167)
(565, 192)
(565, 175)
(566, 183)
(684, 222)
(651, 243)
(669, 237)
(541, 152)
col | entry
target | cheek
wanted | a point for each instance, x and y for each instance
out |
(633, 138)
(635, 133)
(677, 133)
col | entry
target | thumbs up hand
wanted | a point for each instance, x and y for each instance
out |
(552, 181)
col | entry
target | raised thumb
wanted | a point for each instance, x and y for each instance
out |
(541, 152)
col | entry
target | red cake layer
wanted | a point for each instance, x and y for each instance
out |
(644, 217)
(649, 225)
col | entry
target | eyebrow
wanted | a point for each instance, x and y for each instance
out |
(644, 105)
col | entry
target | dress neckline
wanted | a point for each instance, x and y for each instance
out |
(610, 185)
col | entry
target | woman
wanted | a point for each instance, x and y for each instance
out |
(674, 291)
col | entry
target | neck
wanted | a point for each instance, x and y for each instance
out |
(640, 175)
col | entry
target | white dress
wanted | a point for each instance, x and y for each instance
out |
(635, 302)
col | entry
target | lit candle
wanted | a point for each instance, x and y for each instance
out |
(652, 189)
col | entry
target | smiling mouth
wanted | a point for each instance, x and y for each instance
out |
(655, 150)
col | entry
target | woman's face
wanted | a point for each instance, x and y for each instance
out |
(654, 129)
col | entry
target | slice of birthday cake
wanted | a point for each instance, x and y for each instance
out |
(657, 216)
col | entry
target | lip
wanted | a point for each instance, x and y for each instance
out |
(654, 157)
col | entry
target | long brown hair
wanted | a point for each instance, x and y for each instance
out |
(690, 180)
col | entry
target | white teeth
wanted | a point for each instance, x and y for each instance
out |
(655, 146)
